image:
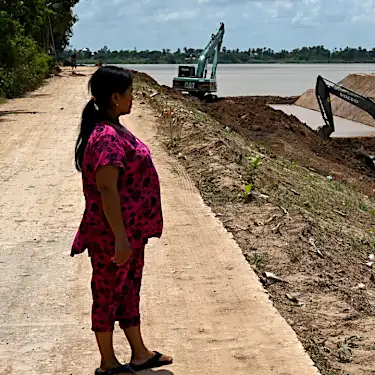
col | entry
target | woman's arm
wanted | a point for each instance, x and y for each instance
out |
(106, 181)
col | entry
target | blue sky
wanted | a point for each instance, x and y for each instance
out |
(278, 24)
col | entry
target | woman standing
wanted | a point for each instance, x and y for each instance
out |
(123, 210)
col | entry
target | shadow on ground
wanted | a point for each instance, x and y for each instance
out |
(41, 95)
(16, 112)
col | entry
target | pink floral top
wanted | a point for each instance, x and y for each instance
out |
(138, 186)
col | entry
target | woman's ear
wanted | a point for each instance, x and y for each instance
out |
(115, 98)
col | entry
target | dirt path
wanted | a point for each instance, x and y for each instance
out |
(201, 301)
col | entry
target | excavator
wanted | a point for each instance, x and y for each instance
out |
(196, 82)
(323, 90)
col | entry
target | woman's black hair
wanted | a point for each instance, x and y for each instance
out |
(105, 82)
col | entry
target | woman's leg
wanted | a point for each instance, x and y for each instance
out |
(140, 353)
(128, 286)
(105, 344)
(102, 286)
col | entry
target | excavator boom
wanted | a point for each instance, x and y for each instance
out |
(323, 90)
(196, 82)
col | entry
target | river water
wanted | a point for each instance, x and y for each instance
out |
(263, 79)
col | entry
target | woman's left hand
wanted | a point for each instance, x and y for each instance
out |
(122, 252)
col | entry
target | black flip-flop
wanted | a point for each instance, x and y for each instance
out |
(114, 371)
(153, 362)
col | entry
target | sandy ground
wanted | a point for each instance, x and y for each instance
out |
(343, 127)
(201, 301)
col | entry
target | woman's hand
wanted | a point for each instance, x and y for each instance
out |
(122, 251)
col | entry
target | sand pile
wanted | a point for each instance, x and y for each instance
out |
(363, 84)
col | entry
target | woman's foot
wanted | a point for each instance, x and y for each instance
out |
(114, 368)
(150, 360)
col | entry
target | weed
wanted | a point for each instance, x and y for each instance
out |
(364, 207)
(248, 190)
(311, 178)
(256, 161)
(257, 260)
(294, 165)
(337, 185)
(200, 116)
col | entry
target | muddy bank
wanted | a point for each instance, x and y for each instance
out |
(343, 159)
(285, 135)
(315, 234)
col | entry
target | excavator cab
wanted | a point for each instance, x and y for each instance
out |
(186, 71)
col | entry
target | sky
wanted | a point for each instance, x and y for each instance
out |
(276, 24)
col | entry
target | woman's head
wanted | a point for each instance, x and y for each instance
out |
(111, 88)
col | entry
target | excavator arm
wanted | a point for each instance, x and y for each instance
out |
(323, 90)
(213, 47)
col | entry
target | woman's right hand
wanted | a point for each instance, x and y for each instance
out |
(122, 251)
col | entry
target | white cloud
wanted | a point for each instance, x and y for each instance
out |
(278, 24)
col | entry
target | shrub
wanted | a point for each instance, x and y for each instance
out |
(29, 67)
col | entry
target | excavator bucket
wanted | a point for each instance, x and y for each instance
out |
(324, 100)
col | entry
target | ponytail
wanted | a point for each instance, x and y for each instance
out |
(102, 84)
(90, 117)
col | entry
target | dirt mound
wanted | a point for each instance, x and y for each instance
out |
(287, 136)
(307, 230)
(363, 84)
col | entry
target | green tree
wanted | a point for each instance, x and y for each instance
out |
(29, 30)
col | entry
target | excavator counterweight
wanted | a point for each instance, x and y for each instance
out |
(193, 80)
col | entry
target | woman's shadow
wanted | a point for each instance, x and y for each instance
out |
(156, 372)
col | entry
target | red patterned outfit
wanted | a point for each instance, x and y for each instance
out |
(116, 289)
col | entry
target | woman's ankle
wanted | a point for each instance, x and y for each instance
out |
(109, 364)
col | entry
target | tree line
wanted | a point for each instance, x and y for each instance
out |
(32, 34)
(315, 54)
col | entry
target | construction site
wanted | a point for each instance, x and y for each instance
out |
(267, 262)
(301, 207)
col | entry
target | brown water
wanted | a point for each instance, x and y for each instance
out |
(263, 79)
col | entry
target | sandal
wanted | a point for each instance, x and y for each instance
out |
(153, 362)
(113, 371)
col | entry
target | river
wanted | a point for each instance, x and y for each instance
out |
(263, 79)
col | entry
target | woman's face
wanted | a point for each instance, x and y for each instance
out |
(123, 102)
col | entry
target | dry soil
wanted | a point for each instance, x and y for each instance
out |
(309, 218)
(201, 301)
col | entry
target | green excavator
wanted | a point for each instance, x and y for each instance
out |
(196, 82)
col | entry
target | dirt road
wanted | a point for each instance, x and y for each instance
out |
(201, 303)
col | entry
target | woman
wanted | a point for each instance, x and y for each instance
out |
(123, 210)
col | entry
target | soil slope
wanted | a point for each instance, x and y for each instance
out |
(314, 233)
